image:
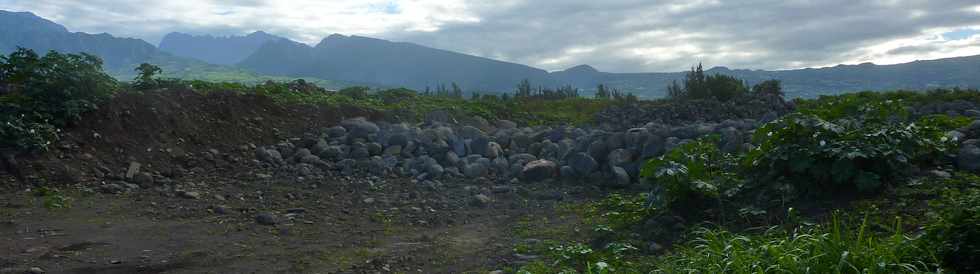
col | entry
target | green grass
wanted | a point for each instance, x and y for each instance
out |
(834, 248)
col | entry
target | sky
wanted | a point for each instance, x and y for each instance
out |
(610, 35)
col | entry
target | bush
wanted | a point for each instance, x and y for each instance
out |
(693, 174)
(357, 93)
(41, 94)
(843, 147)
(955, 231)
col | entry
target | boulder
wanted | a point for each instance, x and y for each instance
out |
(270, 156)
(481, 146)
(470, 132)
(360, 127)
(654, 147)
(539, 170)
(505, 124)
(373, 148)
(475, 170)
(968, 157)
(619, 157)
(398, 140)
(336, 131)
(622, 177)
(582, 164)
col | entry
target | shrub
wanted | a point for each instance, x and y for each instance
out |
(955, 231)
(809, 152)
(357, 93)
(693, 174)
(41, 94)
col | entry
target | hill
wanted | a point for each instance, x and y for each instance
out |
(369, 60)
(213, 49)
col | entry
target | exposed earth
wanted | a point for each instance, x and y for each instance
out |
(203, 204)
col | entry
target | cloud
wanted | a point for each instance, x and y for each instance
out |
(611, 35)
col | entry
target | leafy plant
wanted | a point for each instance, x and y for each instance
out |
(693, 173)
(955, 231)
(53, 198)
(811, 153)
(41, 94)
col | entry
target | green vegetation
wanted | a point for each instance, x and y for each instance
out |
(860, 147)
(39, 95)
(693, 174)
(835, 248)
(699, 86)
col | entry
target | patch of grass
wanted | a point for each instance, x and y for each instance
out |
(53, 198)
(834, 248)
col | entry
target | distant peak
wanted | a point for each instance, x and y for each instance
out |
(582, 69)
(259, 34)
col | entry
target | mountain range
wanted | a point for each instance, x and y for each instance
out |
(348, 60)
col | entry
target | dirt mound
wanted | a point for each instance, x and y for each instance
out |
(161, 128)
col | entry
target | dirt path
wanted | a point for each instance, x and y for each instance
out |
(318, 231)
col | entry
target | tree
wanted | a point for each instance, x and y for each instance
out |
(144, 76)
(695, 83)
(723, 87)
(457, 92)
(602, 92)
(675, 91)
(769, 87)
(523, 89)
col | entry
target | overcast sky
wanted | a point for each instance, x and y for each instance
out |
(611, 35)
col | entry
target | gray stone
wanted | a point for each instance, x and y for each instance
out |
(144, 179)
(452, 159)
(435, 170)
(394, 150)
(333, 153)
(622, 177)
(539, 170)
(373, 148)
(480, 145)
(360, 127)
(567, 172)
(470, 132)
(134, 169)
(968, 157)
(940, 174)
(494, 150)
(598, 150)
(619, 157)
(582, 164)
(398, 140)
(731, 140)
(480, 200)
(549, 151)
(266, 218)
(193, 195)
(359, 152)
(505, 124)
(336, 131)
(501, 166)
(265, 155)
(654, 147)
(475, 170)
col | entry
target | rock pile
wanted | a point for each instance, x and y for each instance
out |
(435, 150)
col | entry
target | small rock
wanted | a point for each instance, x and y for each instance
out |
(940, 174)
(480, 200)
(193, 195)
(266, 218)
(539, 170)
(134, 168)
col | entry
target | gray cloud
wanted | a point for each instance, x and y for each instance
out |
(612, 35)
